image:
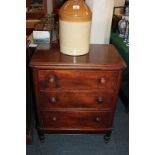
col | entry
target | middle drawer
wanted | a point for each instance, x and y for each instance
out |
(75, 99)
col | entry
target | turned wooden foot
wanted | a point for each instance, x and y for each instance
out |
(41, 135)
(107, 137)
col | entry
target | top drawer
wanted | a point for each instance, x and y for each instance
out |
(76, 79)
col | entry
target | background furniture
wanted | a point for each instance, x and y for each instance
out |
(124, 52)
(57, 4)
(102, 11)
(36, 13)
(121, 47)
(76, 94)
(30, 114)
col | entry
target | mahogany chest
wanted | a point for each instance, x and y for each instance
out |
(76, 94)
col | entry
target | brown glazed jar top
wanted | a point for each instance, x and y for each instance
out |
(75, 11)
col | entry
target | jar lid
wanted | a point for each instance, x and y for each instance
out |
(75, 11)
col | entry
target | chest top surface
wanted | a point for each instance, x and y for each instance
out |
(99, 56)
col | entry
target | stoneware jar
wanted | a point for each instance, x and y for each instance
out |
(74, 27)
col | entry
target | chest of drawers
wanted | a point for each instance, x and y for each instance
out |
(76, 94)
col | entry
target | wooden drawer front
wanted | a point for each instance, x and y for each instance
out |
(76, 79)
(75, 119)
(85, 99)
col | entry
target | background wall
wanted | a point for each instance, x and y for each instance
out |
(101, 20)
(119, 3)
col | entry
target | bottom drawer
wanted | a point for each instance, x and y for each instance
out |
(76, 120)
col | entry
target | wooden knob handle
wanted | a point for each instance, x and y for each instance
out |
(98, 119)
(100, 100)
(54, 118)
(52, 79)
(102, 80)
(52, 99)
